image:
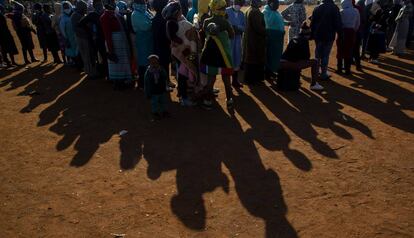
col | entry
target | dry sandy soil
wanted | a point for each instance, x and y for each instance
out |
(298, 164)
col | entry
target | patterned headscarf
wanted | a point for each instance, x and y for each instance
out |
(171, 9)
(218, 7)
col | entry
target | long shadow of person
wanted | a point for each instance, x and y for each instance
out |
(324, 114)
(387, 112)
(294, 119)
(197, 149)
(48, 87)
(81, 117)
(21, 77)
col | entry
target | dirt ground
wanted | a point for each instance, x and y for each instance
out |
(282, 164)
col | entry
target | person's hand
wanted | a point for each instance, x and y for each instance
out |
(112, 57)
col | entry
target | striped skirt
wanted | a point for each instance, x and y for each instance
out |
(120, 70)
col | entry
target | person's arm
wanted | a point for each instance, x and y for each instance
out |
(172, 29)
(258, 23)
(358, 21)
(229, 29)
(286, 13)
(107, 30)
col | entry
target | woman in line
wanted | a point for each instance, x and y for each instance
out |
(275, 31)
(345, 42)
(37, 20)
(52, 40)
(295, 15)
(216, 55)
(398, 42)
(24, 29)
(68, 34)
(141, 21)
(7, 45)
(254, 44)
(119, 52)
(56, 26)
(296, 57)
(236, 19)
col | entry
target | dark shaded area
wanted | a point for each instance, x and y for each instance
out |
(197, 143)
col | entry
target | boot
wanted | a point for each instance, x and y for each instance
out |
(235, 80)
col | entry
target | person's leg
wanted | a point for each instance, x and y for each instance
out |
(182, 87)
(339, 65)
(4, 56)
(318, 53)
(141, 75)
(325, 52)
(56, 58)
(227, 86)
(13, 61)
(32, 57)
(26, 60)
(44, 50)
(235, 80)
(347, 66)
(154, 104)
(356, 52)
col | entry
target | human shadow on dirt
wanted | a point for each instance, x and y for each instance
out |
(297, 120)
(389, 112)
(198, 147)
(24, 77)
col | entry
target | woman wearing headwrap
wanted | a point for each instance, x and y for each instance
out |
(236, 19)
(24, 29)
(183, 38)
(68, 34)
(52, 40)
(295, 15)
(38, 21)
(92, 22)
(216, 57)
(142, 25)
(398, 42)
(7, 45)
(345, 44)
(254, 44)
(119, 52)
(360, 6)
(275, 30)
(56, 26)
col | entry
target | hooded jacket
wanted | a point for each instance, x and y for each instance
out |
(326, 21)
(349, 15)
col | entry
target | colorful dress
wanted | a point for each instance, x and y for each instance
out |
(216, 57)
(236, 19)
(275, 31)
(296, 15)
(117, 44)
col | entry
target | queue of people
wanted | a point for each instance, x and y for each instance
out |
(141, 44)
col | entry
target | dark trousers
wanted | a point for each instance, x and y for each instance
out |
(253, 73)
(141, 75)
(357, 50)
(182, 86)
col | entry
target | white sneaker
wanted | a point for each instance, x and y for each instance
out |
(216, 91)
(316, 86)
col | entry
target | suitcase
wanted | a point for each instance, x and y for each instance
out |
(288, 80)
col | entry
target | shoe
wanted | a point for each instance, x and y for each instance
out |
(374, 61)
(316, 86)
(237, 84)
(170, 89)
(230, 102)
(188, 103)
(216, 91)
(34, 60)
(325, 77)
(172, 85)
(207, 104)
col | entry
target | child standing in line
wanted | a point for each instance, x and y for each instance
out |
(155, 86)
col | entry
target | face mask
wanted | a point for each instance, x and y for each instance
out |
(237, 7)
(67, 11)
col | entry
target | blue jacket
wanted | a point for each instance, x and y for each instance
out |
(141, 21)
